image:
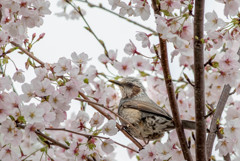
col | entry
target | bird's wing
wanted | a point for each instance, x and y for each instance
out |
(147, 107)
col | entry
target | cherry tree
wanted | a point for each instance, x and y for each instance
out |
(33, 120)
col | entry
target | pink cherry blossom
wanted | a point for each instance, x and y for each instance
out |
(142, 9)
(130, 48)
(5, 83)
(141, 36)
(81, 58)
(43, 88)
(170, 5)
(7, 154)
(63, 66)
(32, 114)
(28, 92)
(7, 128)
(148, 153)
(140, 63)
(110, 128)
(18, 76)
(31, 128)
(126, 9)
(213, 22)
(114, 3)
(96, 120)
(125, 67)
(69, 90)
(231, 7)
(107, 146)
(224, 146)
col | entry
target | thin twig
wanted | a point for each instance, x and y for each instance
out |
(100, 6)
(89, 136)
(88, 26)
(28, 53)
(171, 92)
(39, 133)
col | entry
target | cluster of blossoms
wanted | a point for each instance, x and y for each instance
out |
(44, 104)
(45, 101)
(19, 15)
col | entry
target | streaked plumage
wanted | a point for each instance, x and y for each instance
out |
(148, 119)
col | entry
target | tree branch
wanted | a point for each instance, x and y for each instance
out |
(216, 117)
(78, 10)
(199, 90)
(28, 53)
(100, 6)
(171, 92)
(39, 133)
(90, 136)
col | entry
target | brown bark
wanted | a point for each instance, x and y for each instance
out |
(171, 92)
(199, 81)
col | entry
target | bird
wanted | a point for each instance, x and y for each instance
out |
(147, 120)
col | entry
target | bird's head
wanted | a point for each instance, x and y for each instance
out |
(130, 87)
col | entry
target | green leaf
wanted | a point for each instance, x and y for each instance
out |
(91, 146)
(21, 119)
(215, 64)
(143, 74)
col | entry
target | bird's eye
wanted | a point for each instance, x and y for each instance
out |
(128, 84)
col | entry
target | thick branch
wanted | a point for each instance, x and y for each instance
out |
(217, 115)
(28, 53)
(171, 92)
(199, 82)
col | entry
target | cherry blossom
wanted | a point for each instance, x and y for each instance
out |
(170, 5)
(107, 146)
(126, 9)
(141, 36)
(142, 9)
(225, 146)
(96, 120)
(114, 3)
(80, 58)
(33, 114)
(110, 128)
(7, 153)
(31, 128)
(213, 22)
(18, 76)
(148, 153)
(125, 67)
(130, 48)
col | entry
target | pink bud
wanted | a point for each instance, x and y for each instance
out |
(33, 36)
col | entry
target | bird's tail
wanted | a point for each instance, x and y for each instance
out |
(191, 125)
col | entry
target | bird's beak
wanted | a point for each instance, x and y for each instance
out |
(115, 82)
